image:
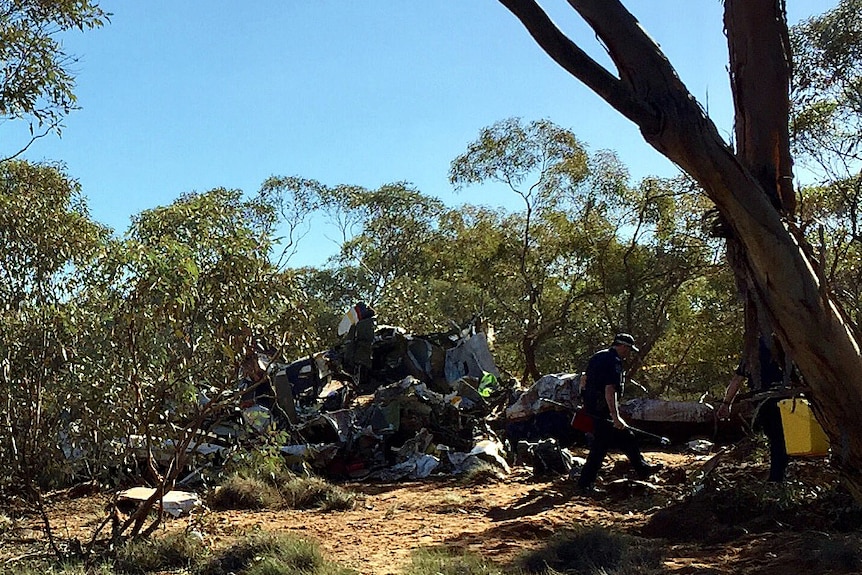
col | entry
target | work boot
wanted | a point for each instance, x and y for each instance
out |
(647, 470)
(591, 491)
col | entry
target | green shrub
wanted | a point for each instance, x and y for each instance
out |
(309, 492)
(595, 551)
(438, 561)
(173, 551)
(274, 489)
(271, 554)
(239, 492)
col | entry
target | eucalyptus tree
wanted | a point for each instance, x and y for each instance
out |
(296, 201)
(751, 186)
(184, 297)
(826, 94)
(48, 243)
(381, 233)
(826, 125)
(36, 74)
(589, 255)
(446, 278)
(329, 291)
(830, 217)
(663, 279)
(394, 224)
(474, 258)
(193, 284)
(546, 167)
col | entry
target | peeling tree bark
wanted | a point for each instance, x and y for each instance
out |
(648, 92)
(760, 67)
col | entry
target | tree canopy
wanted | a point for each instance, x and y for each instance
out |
(36, 75)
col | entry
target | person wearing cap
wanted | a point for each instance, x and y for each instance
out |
(604, 387)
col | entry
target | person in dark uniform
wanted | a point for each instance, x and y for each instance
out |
(768, 415)
(602, 391)
(358, 345)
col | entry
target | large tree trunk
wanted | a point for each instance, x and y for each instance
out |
(649, 92)
(760, 67)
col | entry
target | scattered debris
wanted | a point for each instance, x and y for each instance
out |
(545, 410)
(700, 446)
(393, 406)
(389, 405)
(174, 503)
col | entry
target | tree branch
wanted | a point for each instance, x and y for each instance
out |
(579, 64)
(47, 131)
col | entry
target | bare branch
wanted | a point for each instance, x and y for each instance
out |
(47, 131)
(578, 63)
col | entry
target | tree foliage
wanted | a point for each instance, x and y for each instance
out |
(827, 90)
(397, 221)
(49, 243)
(827, 130)
(545, 240)
(590, 254)
(36, 77)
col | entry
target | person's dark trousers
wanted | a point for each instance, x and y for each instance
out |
(606, 437)
(769, 420)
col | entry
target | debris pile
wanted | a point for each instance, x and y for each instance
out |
(389, 405)
(386, 406)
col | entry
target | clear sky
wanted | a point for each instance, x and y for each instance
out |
(181, 96)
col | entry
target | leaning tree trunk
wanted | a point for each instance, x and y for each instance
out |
(648, 92)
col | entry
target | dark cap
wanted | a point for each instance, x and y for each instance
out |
(625, 339)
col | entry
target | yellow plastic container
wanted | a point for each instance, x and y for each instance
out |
(802, 434)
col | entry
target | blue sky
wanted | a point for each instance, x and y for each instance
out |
(186, 96)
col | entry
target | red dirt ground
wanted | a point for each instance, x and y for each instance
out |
(499, 520)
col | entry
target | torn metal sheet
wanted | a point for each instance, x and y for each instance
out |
(418, 466)
(561, 388)
(466, 397)
(471, 357)
(163, 449)
(682, 420)
(645, 409)
(418, 445)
